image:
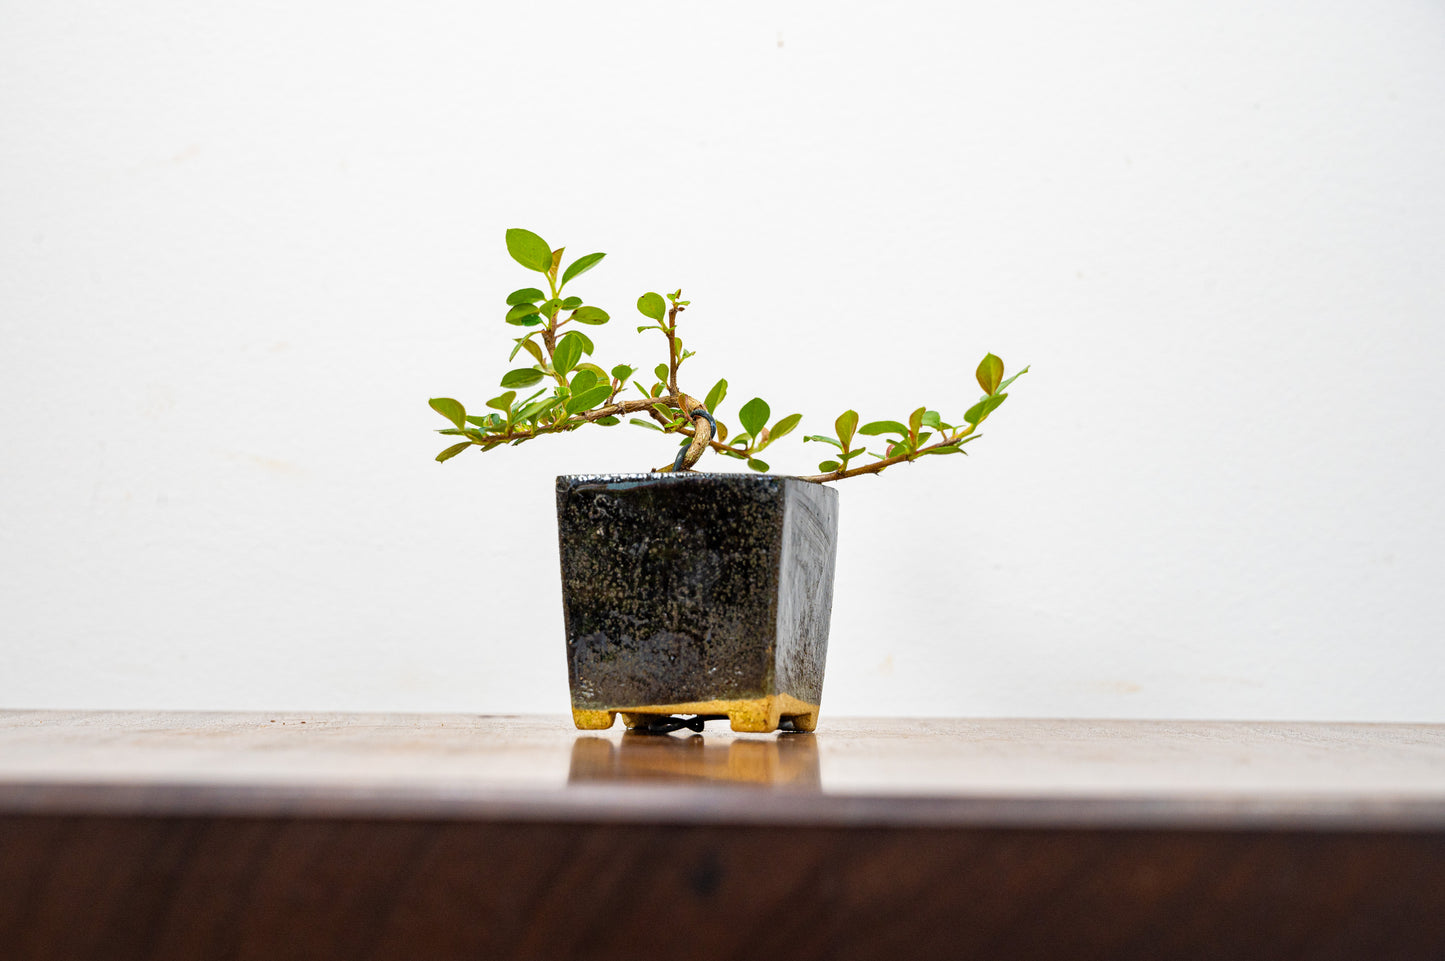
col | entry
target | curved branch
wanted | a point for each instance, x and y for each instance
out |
(701, 431)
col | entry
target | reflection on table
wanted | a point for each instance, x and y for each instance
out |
(789, 760)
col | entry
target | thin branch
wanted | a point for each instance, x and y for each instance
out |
(577, 420)
(672, 360)
(879, 465)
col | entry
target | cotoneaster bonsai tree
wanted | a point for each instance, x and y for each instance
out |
(573, 391)
(686, 595)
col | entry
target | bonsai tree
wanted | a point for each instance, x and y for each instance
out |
(573, 391)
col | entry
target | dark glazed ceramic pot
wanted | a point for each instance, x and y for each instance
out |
(696, 594)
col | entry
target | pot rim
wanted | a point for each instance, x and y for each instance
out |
(681, 476)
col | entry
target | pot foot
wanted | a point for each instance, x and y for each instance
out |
(801, 722)
(634, 720)
(755, 717)
(593, 720)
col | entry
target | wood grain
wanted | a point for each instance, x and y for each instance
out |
(188, 888)
(175, 836)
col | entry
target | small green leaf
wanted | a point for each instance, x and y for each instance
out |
(503, 403)
(581, 265)
(520, 311)
(452, 410)
(757, 465)
(930, 419)
(565, 357)
(583, 380)
(622, 372)
(915, 420)
(643, 423)
(527, 295)
(754, 416)
(592, 316)
(582, 339)
(855, 452)
(821, 439)
(588, 365)
(783, 426)
(715, 396)
(1004, 386)
(571, 303)
(948, 449)
(479, 421)
(608, 421)
(532, 348)
(453, 451)
(828, 466)
(975, 414)
(550, 308)
(989, 373)
(531, 320)
(521, 377)
(652, 305)
(883, 427)
(589, 399)
(661, 371)
(533, 411)
(529, 250)
(451, 431)
(846, 425)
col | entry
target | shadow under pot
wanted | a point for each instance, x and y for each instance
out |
(696, 594)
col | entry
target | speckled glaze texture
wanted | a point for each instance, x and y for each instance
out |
(695, 587)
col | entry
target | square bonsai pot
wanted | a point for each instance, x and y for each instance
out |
(696, 593)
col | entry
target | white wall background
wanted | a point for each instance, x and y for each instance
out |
(242, 244)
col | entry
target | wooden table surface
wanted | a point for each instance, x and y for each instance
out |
(187, 835)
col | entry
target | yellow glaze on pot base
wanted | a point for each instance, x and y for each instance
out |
(753, 716)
